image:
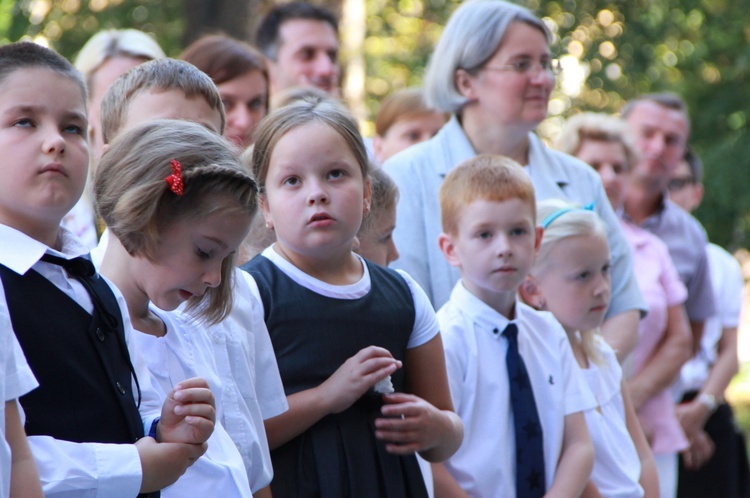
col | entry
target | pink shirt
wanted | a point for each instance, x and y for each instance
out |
(661, 288)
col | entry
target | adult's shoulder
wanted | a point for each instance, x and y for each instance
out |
(552, 166)
(692, 228)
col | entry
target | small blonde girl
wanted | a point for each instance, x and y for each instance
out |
(339, 324)
(178, 204)
(570, 278)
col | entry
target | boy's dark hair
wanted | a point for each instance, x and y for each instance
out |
(22, 55)
(267, 38)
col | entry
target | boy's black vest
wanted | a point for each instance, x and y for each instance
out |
(85, 383)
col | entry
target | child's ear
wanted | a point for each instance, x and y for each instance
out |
(367, 195)
(530, 293)
(266, 212)
(448, 248)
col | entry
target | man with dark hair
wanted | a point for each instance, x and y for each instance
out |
(300, 43)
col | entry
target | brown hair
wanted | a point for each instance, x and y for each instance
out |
(159, 75)
(224, 58)
(28, 55)
(136, 203)
(487, 177)
(302, 112)
(401, 104)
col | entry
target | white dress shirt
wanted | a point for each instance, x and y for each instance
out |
(67, 469)
(475, 350)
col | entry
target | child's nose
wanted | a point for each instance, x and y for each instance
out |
(317, 194)
(54, 142)
(502, 246)
(212, 277)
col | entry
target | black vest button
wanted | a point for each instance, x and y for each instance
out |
(120, 388)
(100, 334)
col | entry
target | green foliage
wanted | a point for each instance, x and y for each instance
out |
(697, 48)
(65, 25)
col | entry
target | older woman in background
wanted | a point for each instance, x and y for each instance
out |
(493, 69)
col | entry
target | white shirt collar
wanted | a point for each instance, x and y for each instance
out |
(19, 252)
(481, 313)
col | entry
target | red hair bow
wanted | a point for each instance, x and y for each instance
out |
(175, 179)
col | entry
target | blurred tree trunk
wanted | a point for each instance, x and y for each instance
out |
(235, 18)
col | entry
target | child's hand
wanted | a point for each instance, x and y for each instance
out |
(164, 463)
(188, 414)
(358, 374)
(411, 422)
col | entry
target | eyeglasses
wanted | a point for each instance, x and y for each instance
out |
(680, 183)
(526, 66)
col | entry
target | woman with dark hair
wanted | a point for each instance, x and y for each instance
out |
(240, 74)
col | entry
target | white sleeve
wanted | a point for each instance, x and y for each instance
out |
(731, 288)
(86, 470)
(425, 322)
(151, 400)
(410, 233)
(268, 386)
(455, 358)
(15, 373)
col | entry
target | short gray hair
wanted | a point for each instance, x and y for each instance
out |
(469, 40)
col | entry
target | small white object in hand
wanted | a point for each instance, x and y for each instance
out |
(384, 386)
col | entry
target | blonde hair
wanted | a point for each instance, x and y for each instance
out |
(596, 127)
(561, 220)
(111, 43)
(406, 103)
(307, 110)
(290, 95)
(384, 197)
(136, 203)
(487, 177)
(160, 75)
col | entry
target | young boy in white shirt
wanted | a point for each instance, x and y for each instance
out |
(490, 234)
(87, 420)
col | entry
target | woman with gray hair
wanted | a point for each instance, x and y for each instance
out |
(493, 69)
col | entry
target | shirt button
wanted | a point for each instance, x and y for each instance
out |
(120, 388)
(495, 331)
(100, 334)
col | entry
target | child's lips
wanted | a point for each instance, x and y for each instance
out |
(320, 219)
(54, 168)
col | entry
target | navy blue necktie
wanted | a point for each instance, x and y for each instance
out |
(528, 429)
